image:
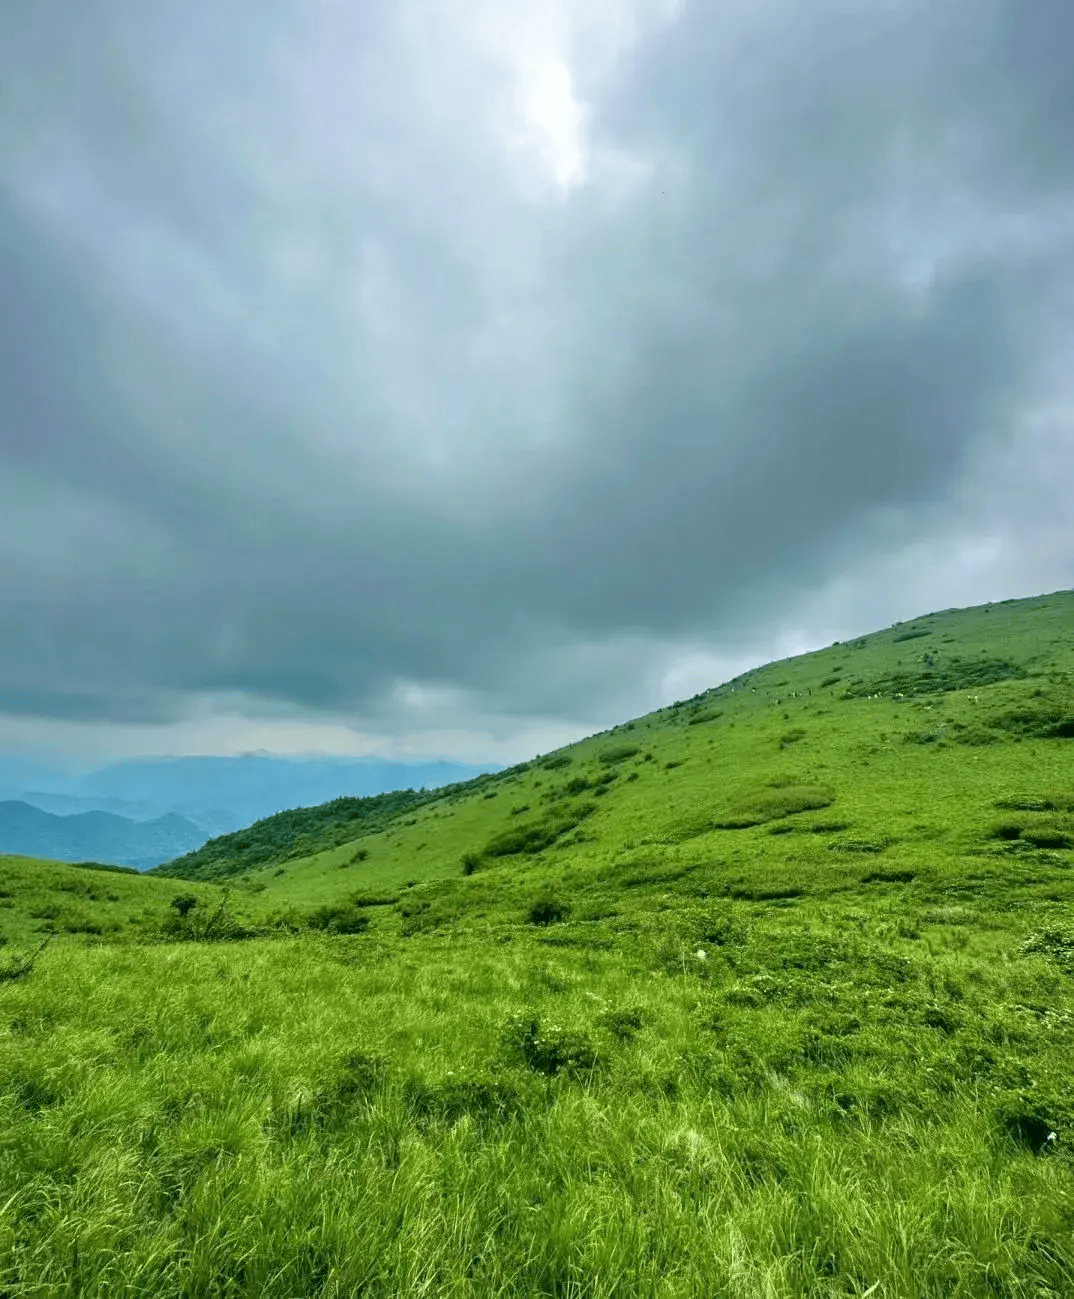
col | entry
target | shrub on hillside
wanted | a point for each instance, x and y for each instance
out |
(1042, 832)
(1054, 941)
(935, 679)
(1041, 722)
(618, 753)
(551, 1050)
(483, 1099)
(775, 800)
(359, 855)
(338, 918)
(535, 836)
(624, 1024)
(1037, 802)
(198, 924)
(547, 910)
(18, 967)
(910, 635)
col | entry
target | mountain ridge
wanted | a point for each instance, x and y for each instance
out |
(28, 831)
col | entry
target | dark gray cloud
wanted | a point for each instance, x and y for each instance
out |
(434, 374)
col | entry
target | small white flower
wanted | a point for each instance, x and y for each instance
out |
(701, 956)
(1050, 1136)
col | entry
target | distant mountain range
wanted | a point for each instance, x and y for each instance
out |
(145, 811)
(96, 836)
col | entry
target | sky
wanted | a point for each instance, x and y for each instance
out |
(458, 379)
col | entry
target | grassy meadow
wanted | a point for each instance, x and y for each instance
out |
(769, 993)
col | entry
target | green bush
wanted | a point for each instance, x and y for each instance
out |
(21, 966)
(1050, 833)
(1056, 942)
(199, 924)
(624, 1024)
(484, 1099)
(1040, 722)
(535, 836)
(551, 1050)
(618, 753)
(1037, 802)
(338, 918)
(773, 801)
(910, 635)
(938, 679)
(547, 910)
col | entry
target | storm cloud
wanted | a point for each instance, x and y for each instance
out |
(461, 382)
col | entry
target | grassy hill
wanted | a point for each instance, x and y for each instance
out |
(766, 993)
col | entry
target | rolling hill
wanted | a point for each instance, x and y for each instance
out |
(28, 831)
(220, 794)
(768, 992)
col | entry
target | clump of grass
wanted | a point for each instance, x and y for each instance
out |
(935, 735)
(484, 1099)
(359, 855)
(359, 1077)
(773, 801)
(534, 836)
(547, 910)
(20, 967)
(549, 1050)
(1045, 832)
(913, 634)
(934, 678)
(1055, 942)
(338, 918)
(191, 922)
(1036, 802)
(624, 1023)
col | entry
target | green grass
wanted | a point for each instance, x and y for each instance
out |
(688, 1008)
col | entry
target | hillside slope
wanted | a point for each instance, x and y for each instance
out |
(770, 992)
(887, 746)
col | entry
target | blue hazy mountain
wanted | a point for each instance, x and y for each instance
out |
(219, 794)
(95, 836)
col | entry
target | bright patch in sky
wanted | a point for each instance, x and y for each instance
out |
(556, 120)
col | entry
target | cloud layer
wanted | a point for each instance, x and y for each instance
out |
(456, 381)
